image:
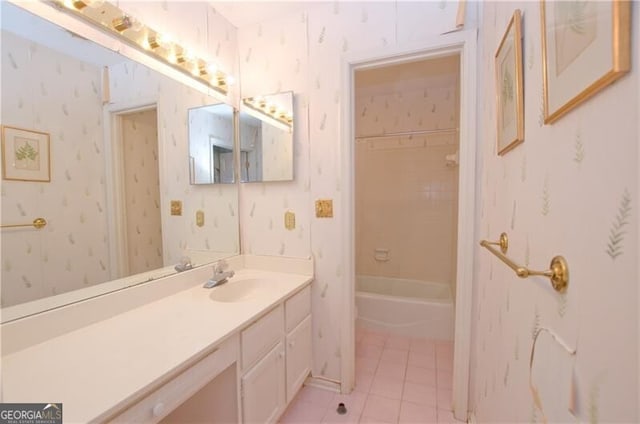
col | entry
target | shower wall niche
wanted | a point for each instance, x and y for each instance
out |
(406, 170)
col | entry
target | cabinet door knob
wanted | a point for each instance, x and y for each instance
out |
(281, 355)
(292, 343)
(158, 409)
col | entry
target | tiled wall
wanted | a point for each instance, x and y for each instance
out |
(571, 188)
(40, 88)
(141, 179)
(406, 195)
(302, 52)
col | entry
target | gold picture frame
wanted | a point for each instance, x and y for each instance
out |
(585, 47)
(25, 155)
(509, 87)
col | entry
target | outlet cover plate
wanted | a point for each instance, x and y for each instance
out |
(324, 208)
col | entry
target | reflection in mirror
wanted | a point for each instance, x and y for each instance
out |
(87, 99)
(211, 144)
(266, 138)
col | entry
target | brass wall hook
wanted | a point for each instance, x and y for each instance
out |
(503, 242)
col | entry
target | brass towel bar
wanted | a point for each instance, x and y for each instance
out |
(37, 224)
(558, 272)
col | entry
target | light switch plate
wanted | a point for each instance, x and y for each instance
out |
(176, 207)
(289, 220)
(199, 218)
(324, 208)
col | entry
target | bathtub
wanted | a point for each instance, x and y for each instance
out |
(405, 307)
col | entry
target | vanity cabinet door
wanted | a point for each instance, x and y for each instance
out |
(298, 357)
(263, 388)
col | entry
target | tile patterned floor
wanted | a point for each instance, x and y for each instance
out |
(398, 380)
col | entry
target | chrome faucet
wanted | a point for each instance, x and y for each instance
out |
(220, 276)
(184, 264)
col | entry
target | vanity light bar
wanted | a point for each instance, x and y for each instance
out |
(110, 18)
(271, 111)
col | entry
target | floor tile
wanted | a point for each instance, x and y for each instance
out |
(303, 412)
(391, 369)
(374, 339)
(413, 413)
(394, 355)
(315, 396)
(354, 402)
(444, 363)
(387, 387)
(421, 375)
(446, 417)
(368, 365)
(445, 379)
(445, 399)
(420, 393)
(363, 382)
(381, 409)
(398, 342)
(368, 351)
(422, 360)
(423, 346)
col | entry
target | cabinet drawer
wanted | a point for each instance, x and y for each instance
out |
(298, 307)
(261, 336)
(161, 402)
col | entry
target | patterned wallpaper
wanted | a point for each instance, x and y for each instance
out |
(569, 189)
(219, 202)
(142, 190)
(301, 52)
(40, 91)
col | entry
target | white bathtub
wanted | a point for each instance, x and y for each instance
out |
(406, 307)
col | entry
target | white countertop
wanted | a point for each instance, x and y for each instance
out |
(97, 370)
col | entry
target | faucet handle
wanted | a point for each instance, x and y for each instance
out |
(221, 265)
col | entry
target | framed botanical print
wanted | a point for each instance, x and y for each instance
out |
(509, 87)
(25, 155)
(585, 47)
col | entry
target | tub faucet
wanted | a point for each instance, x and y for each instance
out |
(220, 276)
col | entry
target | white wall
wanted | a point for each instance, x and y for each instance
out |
(563, 191)
(40, 92)
(302, 52)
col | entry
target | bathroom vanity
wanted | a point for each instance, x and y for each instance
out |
(237, 352)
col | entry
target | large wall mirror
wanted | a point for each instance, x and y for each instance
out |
(211, 140)
(119, 205)
(266, 138)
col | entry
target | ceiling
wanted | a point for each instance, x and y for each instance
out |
(243, 13)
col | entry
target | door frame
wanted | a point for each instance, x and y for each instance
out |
(464, 44)
(114, 181)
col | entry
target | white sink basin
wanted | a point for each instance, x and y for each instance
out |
(241, 290)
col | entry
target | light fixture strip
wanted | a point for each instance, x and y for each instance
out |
(262, 108)
(116, 22)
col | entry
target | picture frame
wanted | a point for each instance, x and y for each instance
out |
(25, 155)
(510, 87)
(585, 47)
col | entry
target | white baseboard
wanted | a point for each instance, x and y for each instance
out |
(472, 418)
(323, 383)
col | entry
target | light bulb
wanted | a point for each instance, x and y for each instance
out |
(94, 3)
(165, 40)
(212, 67)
